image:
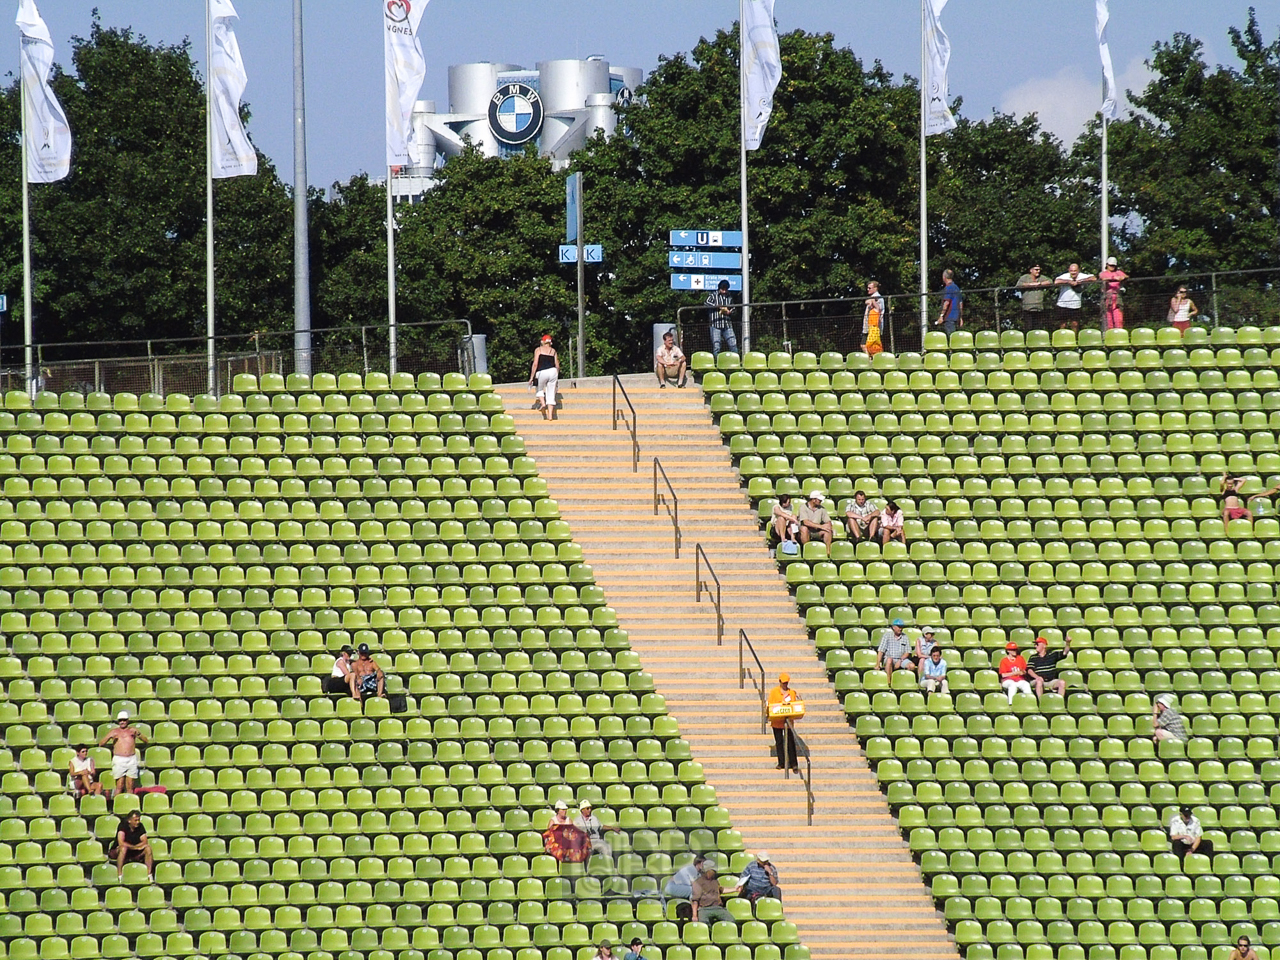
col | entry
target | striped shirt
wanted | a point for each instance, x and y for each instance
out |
(1169, 719)
(715, 301)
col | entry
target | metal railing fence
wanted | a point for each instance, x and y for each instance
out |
(669, 500)
(701, 560)
(620, 416)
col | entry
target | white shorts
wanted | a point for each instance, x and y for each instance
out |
(122, 767)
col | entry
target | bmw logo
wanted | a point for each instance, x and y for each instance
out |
(515, 114)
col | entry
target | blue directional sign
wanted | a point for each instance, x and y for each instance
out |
(591, 253)
(706, 238)
(704, 261)
(703, 281)
(4, 302)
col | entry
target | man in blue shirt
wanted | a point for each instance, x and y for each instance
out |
(760, 879)
(952, 300)
(636, 951)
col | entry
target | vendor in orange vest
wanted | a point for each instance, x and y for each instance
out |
(784, 741)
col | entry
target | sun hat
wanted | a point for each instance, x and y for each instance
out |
(122, 715)
(1111, 261)
(926, 629)
(784, 678)
(561, 805)
(815, 495)
(585, 805)
(762, 857)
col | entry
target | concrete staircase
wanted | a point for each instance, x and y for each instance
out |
(848, 881)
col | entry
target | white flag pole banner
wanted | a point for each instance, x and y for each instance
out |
(763, 67)
(406, 69)
(48, 148)
(938, 118)
(1110, 102)
(233, 154)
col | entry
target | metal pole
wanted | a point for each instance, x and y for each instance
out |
(1106, 199)
(27, 293)
(582, 281)
(1217, 317)
(742, 139)
(924, 184)
(208, 213)
(301, 228)
(391, 277)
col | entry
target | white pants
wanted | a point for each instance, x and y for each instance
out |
(933, 685)
(1012, 687)
(547, 380)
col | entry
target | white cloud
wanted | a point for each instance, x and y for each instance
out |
(1069, 99)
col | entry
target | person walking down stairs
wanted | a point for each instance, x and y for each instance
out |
(785, 704)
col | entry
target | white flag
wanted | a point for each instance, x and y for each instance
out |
(233, 154)
(763, 67)
(48, 135)
(1110, 103)
(938, 118)
(406, 69)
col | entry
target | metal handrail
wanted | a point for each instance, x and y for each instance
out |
(742, 677)
(802, 753)
(700, 557)
(618, 414)
(672, 504)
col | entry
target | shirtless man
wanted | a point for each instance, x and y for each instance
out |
(369, 679)
(124, 752)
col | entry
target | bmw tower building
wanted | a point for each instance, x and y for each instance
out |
(502, 108)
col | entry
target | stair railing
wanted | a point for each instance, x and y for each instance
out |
(757, 680)
(699, 561)
(620, 414)
(668, 499)
(802, 753)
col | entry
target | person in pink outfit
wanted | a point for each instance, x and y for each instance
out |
(1112, 276)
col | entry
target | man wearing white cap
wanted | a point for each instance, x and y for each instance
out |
(590, 824)
(814, 519)
(124, 752)
(1166, 721)
(760, 879)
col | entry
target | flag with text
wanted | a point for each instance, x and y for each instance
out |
(47, 134)
(233, 154)
(937, 118)
(406, 69)
(762, 68)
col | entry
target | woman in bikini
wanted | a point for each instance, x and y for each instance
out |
(1232, 508)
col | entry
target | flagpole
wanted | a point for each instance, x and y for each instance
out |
(27, 295)
(301, 230)
(391, 278)
(1106, 200)
(208, 167)
(742, 143)
(924, 185)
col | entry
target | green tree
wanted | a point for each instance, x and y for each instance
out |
(118, 246)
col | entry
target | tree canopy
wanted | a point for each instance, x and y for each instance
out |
(119, 245)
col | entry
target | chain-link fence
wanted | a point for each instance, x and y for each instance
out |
(182, 366)
(1242, 298)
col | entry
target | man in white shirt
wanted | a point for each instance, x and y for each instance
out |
(590, 824)
(1069, 302)
(669, 362)
(1186, 835)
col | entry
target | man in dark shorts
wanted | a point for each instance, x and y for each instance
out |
(131, 844)
(370, 681)
(1042, 667)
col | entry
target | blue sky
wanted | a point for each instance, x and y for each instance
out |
(1018, 56)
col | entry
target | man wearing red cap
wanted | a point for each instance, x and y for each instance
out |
(1042, 667)
(783, 739)
(1013, 672)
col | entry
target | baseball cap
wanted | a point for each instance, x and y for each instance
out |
(898, 623)
(363, 648)
(1111, 261)
(636, 941)
(762, 857)
(1042, 640)
(926, 629)
(784, 678)
(1011, 645)
(122, 715)
(815, 494)
(546, 338)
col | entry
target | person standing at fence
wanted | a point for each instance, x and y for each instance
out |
(1181, 309)
(720, 308)
(1069, 299)
(1031, 286)
(872, 314)
(952, 317)
(544, 372)
(1112, 276)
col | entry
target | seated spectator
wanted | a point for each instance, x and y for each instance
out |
(637, 950)
(1166, 721)
(925, 644)
(1013, 672)
(707, 900)
(1042, 667)
(131, 844)
(82, 774)
(563, 840)
(933, 672)
(760, 879)
(785, 523)
(1186, 835)
(342, 678)
(814, 519)
(1232, 508)
(892, 525)
(604, 951)
(893, 650)
(369, 680)
(862, 516)
(680, 886)
(561, 816)
(590, 824)
(669, 362)
(1243, 950)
